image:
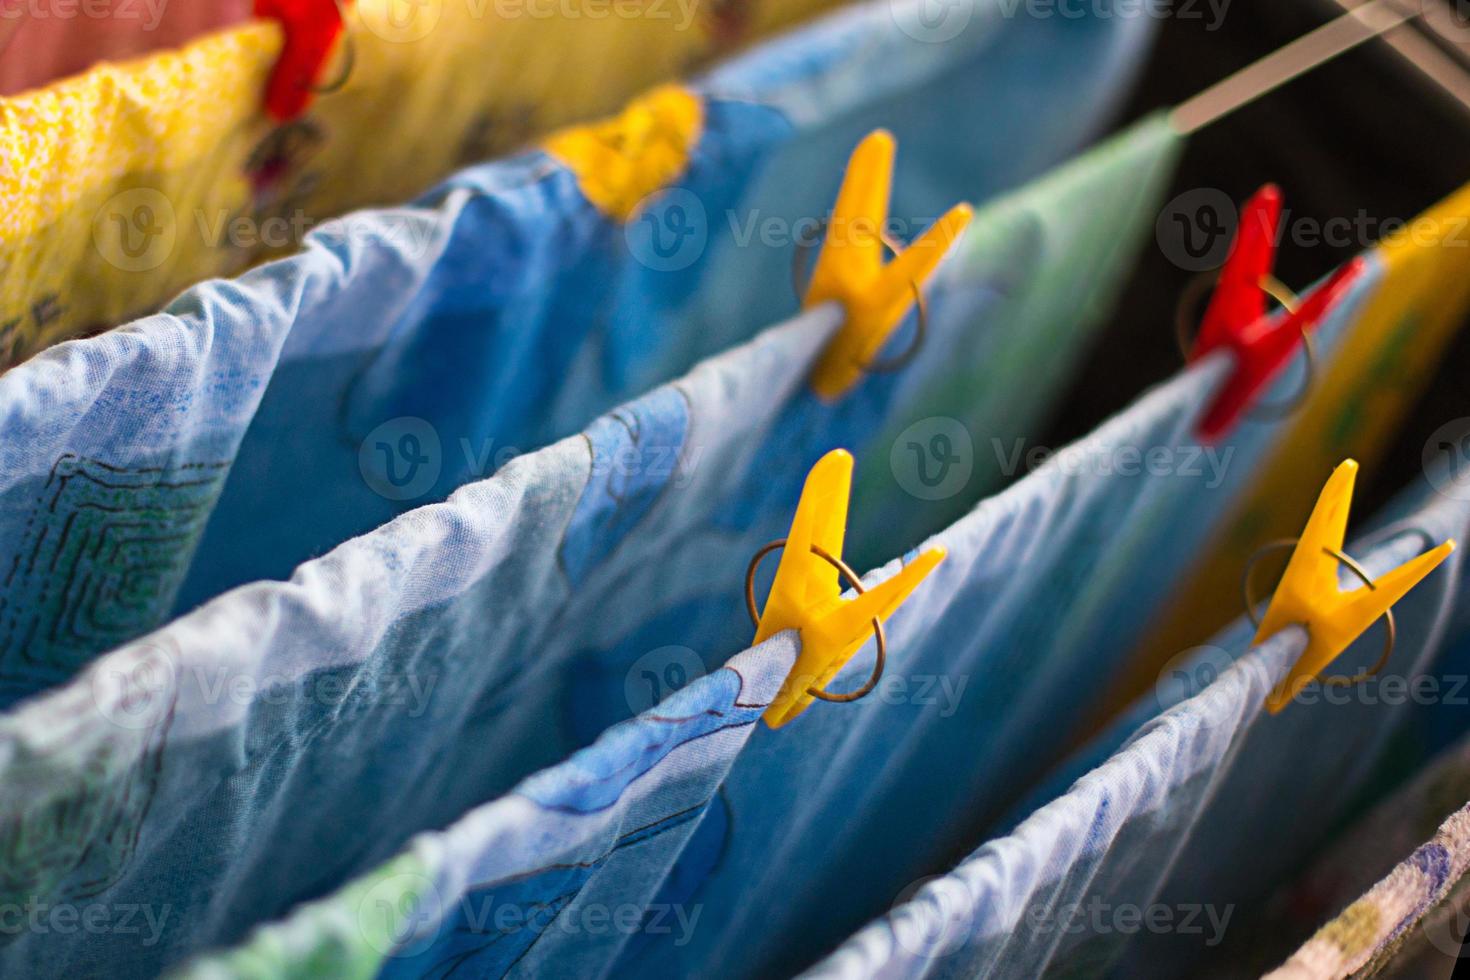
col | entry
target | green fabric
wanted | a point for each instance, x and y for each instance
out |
(1057, 255)
(345, 936)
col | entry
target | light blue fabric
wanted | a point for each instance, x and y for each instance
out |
(553, 878)
(286, 737)
(597, 832)
(1194, 811)
(404, 350)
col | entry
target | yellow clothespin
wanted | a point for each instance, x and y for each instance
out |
(1309, 595)
(806, 594)
(850, 267)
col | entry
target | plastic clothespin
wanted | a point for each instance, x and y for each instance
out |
(1236, 317)
(851, 271)
(806, 594)
(311, 28)
(1309, 594)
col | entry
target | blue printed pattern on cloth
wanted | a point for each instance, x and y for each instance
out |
(414, 673)
(408, 349)
(598, 831)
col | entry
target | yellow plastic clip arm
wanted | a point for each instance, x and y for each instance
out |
(850, 269)
(806, 594)
(1309, 594)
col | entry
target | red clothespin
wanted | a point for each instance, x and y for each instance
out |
(1236, 317)
(311, 28)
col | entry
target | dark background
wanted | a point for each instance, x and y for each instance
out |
(1367, 133)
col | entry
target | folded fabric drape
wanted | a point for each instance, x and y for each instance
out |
(376, 681)
(500, 313)
(132, 181)
(1179, 817)
(1352, 411)
(555, 877)
(1028, 576)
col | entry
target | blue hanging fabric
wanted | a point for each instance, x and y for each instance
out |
(409, 349)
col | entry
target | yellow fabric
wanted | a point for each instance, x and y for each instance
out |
(128, 183)
(621, 161)
(1354, 408)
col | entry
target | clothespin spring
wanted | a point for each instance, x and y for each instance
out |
(845, 569)
(1286, 298)
(1251, 603)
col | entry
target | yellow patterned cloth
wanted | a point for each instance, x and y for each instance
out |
(124, 185)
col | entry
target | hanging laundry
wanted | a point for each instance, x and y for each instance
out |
(1186, 812)
(1352, 410)
(512, 599)
(553, 878)
(132, 181)
(339, 405)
